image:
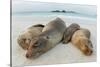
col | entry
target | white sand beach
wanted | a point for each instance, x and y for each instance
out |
(62, 53)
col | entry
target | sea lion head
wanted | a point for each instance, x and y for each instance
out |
(69, 32)
(86, 47)
(37, 47)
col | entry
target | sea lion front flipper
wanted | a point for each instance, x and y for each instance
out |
(39, 25)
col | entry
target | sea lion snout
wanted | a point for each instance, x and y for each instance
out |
(29, 54)
(87, 51)
(87, 47)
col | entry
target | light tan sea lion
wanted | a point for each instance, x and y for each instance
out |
(69, 32)
(51, 35)
(25, 37)
(81, 39)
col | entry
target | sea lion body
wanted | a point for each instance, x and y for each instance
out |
(25, 37)
(81, 39)
(54, 30)
(69, 32)
(51, 35)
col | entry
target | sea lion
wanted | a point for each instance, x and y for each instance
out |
(69, 32)
(51, 35)
(25, 37)
(81, 39)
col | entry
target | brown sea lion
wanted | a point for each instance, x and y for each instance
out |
(51, 35)
(25, 37)
(81, 39)
(69, 32)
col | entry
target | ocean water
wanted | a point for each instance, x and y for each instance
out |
(53, 14)
(29, 8)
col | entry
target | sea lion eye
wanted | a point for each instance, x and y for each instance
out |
(39, 45)
(36, 44)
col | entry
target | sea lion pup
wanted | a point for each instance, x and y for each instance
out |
(81, 39)
(69, 32)
(51, 35)
(25, 37)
